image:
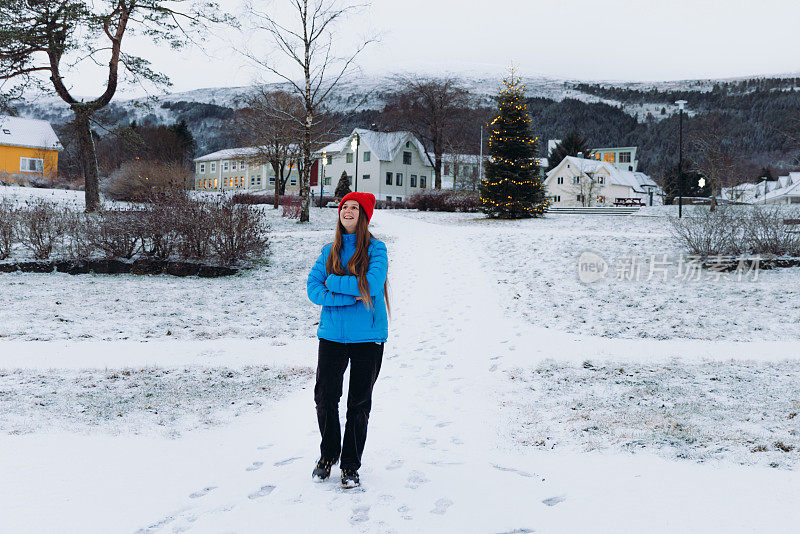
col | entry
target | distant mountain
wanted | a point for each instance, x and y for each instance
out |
(347, 94)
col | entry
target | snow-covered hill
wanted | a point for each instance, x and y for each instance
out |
(347, 95)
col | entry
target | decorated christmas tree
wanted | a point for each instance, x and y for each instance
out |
(512, 188)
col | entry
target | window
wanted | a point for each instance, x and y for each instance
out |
(624, 157)
(293, 180)
(213, 167)
(398, 178)
(365, 176)
(349, 157)
(329, 160)
(560, 180)
(601, 199)
(608, 157)
(215, 183)
(233, 165)
(399, 199)
(367, 155)
(406, 158)
(272, 180)
(243, 165)
(601, 179)
(413, 180)
(388, 178)
(576, 180)
(422, 181)
(327, 181)
(202, 167)
(30, 164)
(388, 198)
(557, 198)
(225, 166)
(579, 198)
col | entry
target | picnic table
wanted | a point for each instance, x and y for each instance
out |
(622, 201)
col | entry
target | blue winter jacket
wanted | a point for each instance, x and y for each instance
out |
(345, 319)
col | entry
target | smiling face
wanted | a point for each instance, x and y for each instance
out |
(348, 215)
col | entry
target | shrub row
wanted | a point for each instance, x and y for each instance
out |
(176, 227)
(738, 231)
(445, 200)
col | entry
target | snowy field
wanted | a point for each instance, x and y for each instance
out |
(535, 262)
(512, 397)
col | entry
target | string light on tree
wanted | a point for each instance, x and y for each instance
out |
(512, 188)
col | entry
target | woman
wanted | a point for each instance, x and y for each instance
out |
(349, 281)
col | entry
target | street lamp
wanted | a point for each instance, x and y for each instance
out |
(354, 145)
(322, 178)
(680, 103)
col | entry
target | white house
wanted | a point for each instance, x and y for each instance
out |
(784, 190)
(589, 182)
(391, 165)
(229, 170)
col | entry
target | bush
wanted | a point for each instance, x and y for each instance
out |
(237, 232)
(731, 231)
(445, 200)
(141, 181)
(8, 222)
(292, 206)
(41, 225)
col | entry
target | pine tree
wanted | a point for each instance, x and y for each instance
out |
(512, 188)
(571, 145)
(343, 187)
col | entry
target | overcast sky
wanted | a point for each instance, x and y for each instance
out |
(631, 40)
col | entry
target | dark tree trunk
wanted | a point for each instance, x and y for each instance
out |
(88, 159)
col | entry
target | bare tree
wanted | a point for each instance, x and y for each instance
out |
(271, 124)
(585, 187)
(307, 41)
(429, 107)
(716, 157)
(55, 36)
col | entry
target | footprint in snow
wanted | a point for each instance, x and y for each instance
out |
(395, 464)
(427, 442)
(360, 514)
(443, 424)
(512, 470)
(286, 461)
(415, 479)
(495, 357)
(552, 501)
(255, 466)
(267, 446)
(263, 492)
(203, 492)
(404, 512)
(456, 441)
(518, 531)
(493, 368)
(441, 506)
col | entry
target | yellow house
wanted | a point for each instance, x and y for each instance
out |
(28, 149)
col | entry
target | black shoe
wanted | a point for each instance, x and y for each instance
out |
(323, 470)
(350, 478)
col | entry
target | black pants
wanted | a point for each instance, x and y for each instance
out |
(365, 364)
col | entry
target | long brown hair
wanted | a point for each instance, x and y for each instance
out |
(359, 263)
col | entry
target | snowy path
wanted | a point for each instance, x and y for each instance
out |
(435, 460)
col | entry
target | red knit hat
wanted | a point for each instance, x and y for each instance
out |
(367, 201)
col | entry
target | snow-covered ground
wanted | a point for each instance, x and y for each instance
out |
(484, 419)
